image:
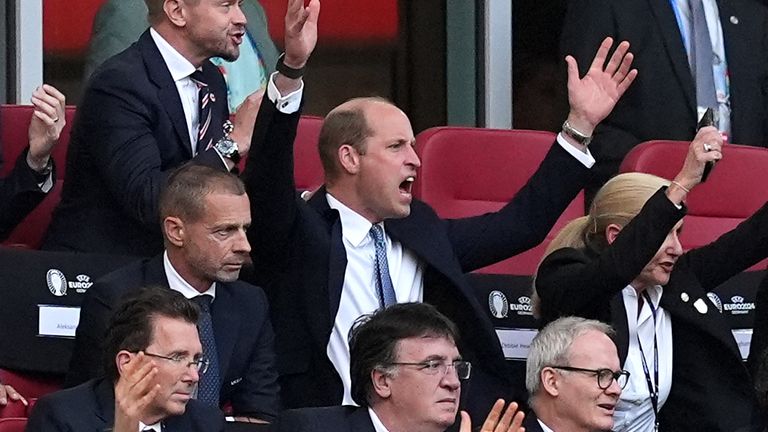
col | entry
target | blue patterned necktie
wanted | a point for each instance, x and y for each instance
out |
(208, 387)
(384, 286)
(205, 104)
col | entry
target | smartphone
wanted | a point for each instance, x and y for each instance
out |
(708, 119)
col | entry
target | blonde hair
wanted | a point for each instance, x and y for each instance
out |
(617, 202)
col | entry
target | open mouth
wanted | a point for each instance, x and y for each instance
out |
(667, 266)
(407, 185)
(608, 407)
(237, 38)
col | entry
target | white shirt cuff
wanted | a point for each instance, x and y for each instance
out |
(585, 158)
(47, 185)
(287, 104)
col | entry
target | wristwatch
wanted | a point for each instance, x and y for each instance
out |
(226, 146)
(287, 70)
(576, 135)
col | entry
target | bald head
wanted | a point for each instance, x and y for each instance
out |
(345, 124)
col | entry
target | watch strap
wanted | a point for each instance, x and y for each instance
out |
(287, 70)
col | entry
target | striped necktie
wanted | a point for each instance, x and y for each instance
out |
(384, 287)
(205, 105)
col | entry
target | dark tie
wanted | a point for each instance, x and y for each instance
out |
(702, 58)
(384, 286)
(208, 387)
(205, 104)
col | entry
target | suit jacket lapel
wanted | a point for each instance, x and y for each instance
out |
(337, 264)
(105, 402)
(738, 54)
(226, 316)
(166, 88)
(710, 322)
(620, 325)
(360, 421)
(154, 272)
(673, 43)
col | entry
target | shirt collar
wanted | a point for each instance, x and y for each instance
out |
(177, 283)
(544, 427)
(654, 292)
(355, 228)
(178, 66)
(154, 426)
(377, 424)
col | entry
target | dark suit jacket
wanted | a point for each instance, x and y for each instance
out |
(128, 134)
(711, 388)
(90, 407)
(661, 103)
(300, 260)
(241, 325)
(531, 422)
(19, 194)
(334, 418)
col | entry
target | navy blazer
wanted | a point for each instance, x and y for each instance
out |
(129, 133)
(531, 422)
(19, 193)
(90, 407)
(661, 102)
(334, 418)
(241, 326)
(711, 389)
(300, 260)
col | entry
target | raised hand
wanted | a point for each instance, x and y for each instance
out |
(593, 97)
(134, 391)
(300, 32)
(707, 146)
(8, 392)
(45, 126)
(511, 421)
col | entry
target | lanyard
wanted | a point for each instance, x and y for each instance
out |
(653, 386)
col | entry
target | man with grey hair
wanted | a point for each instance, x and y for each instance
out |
(574, 377)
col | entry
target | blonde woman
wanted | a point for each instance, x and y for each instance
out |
(623, 264)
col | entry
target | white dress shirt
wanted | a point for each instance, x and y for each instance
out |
(544, 427)
(177, 283)
(378, 426)
(358, 293)
(634, 412)
(157, 427)
(180, 69)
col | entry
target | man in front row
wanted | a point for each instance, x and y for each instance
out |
(205, 213)
(406, 376)
(153, 360)
(574, 377)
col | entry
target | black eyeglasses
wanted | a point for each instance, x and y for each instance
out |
(200, 363)
(605, 377)
(432, 367)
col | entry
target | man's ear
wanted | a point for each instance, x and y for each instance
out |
(122, 359)
(611, 232)
(381, 383)
(175, 11)
(550, 381)
(174, 230)
(349, 159)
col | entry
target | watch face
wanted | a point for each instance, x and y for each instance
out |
(226, 146)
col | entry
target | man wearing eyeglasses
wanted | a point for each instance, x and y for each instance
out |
(205, 213)
(153, 361)
(574, 377)
(406, 374)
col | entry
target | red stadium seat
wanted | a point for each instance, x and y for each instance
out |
(470, 171)
(735, 188)
(14, 124)
(13, 424)
(308, 171)
(13, 409)
(29, 385)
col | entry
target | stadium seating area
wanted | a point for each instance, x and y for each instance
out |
(466, 171)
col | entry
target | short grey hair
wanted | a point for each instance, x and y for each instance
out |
(551, 347)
